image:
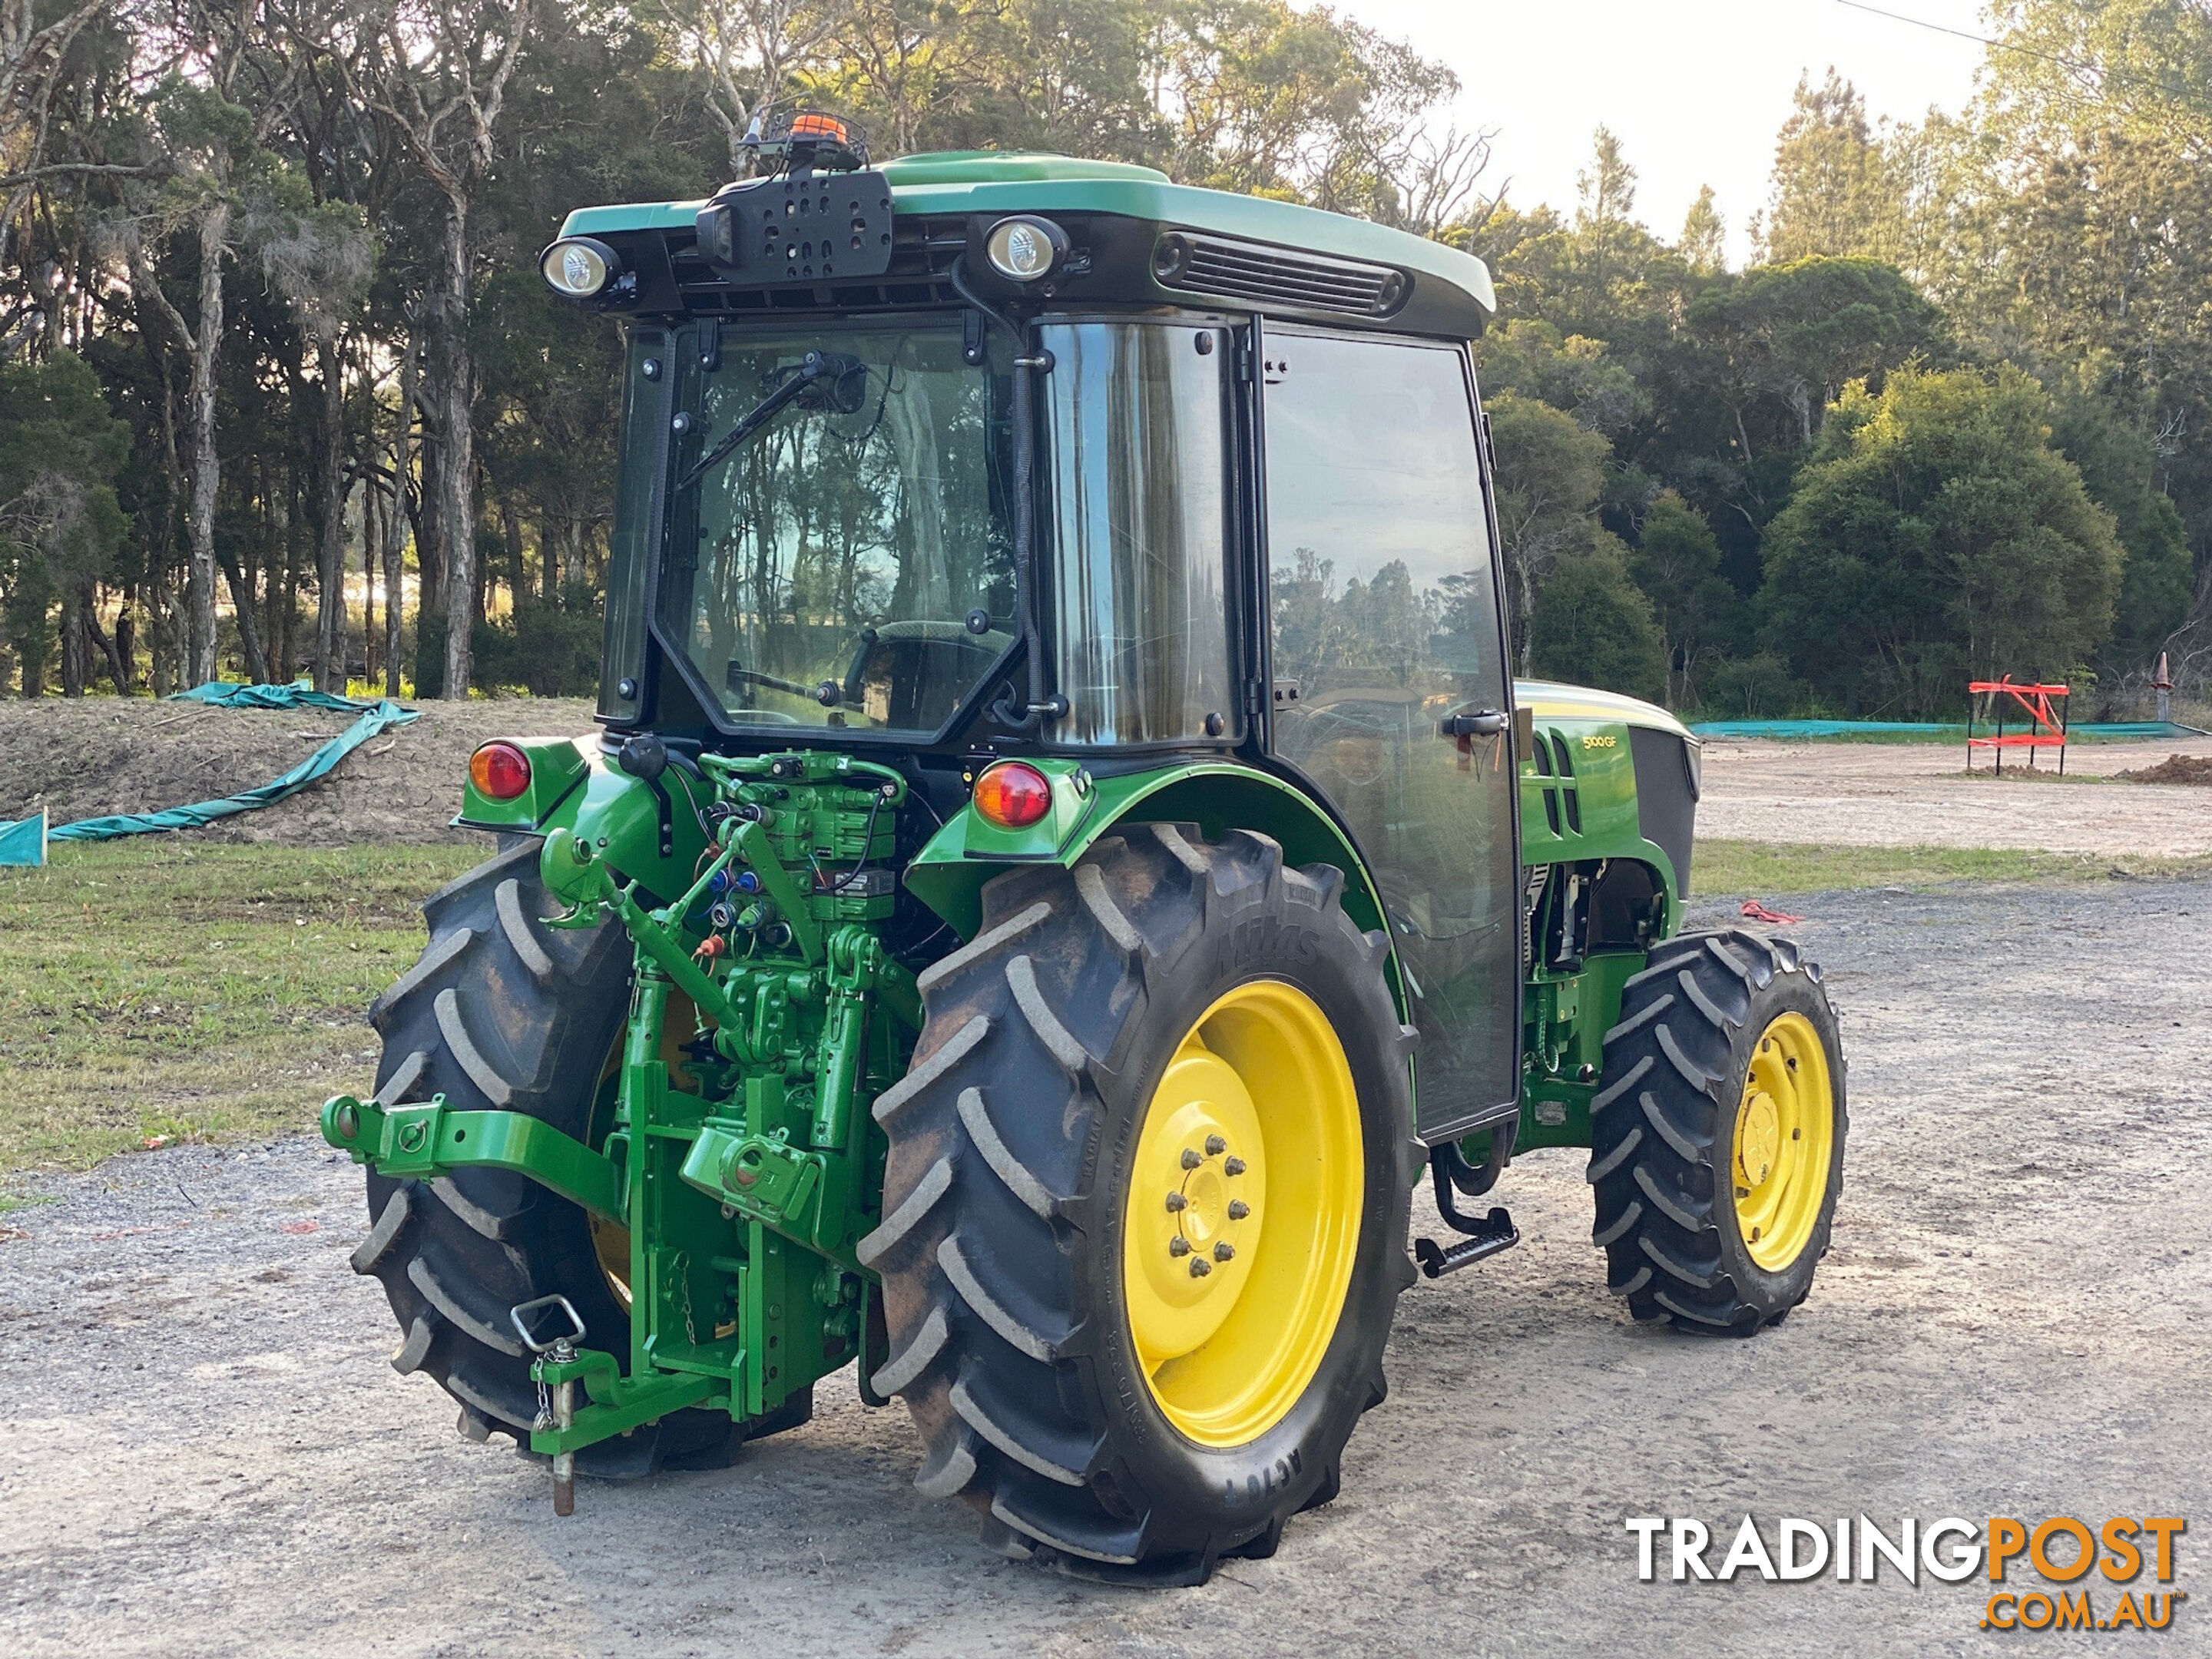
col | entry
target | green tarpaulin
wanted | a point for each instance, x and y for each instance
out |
(229, 693)
(21, 844)
(25, 841)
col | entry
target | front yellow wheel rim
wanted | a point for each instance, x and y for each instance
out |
(1784, 1141)
(1242, 1217)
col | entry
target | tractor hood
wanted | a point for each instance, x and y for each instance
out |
(1549, 699)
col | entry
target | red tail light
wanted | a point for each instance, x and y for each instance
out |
(499, 771)
(1014, 796)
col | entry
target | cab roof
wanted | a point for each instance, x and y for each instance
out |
(995, 182)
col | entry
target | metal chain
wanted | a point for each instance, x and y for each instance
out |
(681, 1266)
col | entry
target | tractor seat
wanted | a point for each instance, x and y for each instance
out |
(911, 676)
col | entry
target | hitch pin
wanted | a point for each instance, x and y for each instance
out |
(561, 1412)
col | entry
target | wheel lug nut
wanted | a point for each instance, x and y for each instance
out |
(1233, 1166)
(1238, 1209)
(1176, 1201)
(1191, 1160)
(1215, 1145)
(1178, 1245)
(1224, 1251)
(1199, 1266)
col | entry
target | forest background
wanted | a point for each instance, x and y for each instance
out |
(280, 391)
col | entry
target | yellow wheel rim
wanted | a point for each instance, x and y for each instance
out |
(1242, 1217)
(1784, 1139)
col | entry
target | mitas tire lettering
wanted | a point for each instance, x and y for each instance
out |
(1267, 939)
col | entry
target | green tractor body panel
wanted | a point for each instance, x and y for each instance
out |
(1607, 777)
(949, 874)
(1608, 794)
(557, 765)
(575, 786)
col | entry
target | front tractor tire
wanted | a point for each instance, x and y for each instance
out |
(1145, 1207)
(1718, 1125)
(500, 1014)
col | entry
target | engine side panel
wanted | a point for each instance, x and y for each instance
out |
(1582, 799)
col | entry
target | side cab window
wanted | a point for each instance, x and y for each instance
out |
(1386, 649)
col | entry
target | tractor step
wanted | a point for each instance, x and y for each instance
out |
(1486, 1238)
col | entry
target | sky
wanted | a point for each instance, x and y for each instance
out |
(1696, 90)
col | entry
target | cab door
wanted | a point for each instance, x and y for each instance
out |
(1390, 690)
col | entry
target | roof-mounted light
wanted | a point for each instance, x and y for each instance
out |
(1025, 248)
(579, 267)
(813, 124)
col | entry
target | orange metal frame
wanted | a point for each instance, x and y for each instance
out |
(2046, 726)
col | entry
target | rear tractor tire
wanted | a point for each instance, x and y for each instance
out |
(1718, 1129)
(1145, 1207)
(502, 1014)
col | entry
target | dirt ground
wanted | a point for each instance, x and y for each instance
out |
(105, 755)
(1872, 794)
(209, 1455)
(87, 756)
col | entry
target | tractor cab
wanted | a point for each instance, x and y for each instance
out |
(981, 453)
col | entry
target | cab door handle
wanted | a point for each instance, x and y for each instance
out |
(1483, 723)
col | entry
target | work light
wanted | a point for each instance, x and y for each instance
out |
(1025, 248)
(579, 267)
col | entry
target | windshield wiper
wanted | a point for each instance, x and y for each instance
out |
(839, 383)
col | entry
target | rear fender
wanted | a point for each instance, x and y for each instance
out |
(948, 875)
(575, 786)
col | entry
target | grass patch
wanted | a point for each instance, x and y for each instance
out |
(154, 988)
(1758, 869)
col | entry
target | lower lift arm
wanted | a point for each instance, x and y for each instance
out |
(427, 1140)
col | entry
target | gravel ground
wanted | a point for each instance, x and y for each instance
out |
(209, 1455)
(1919, 794)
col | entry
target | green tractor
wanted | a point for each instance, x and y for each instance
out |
(1065, 852)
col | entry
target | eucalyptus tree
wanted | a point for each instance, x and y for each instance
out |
(218, 175)
(317, 257)
(439, 72)
(59, 520)
(33, 50)
(750, 52)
